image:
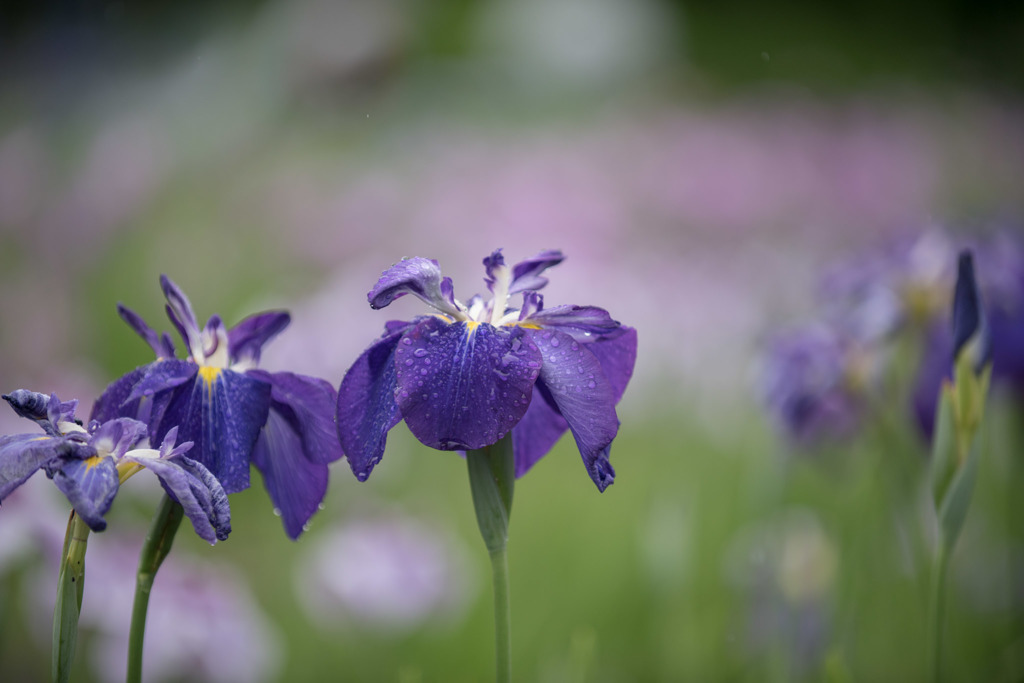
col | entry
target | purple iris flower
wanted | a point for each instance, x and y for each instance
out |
(812, 383)
(88, 465)
(235, 413)
(470, 373)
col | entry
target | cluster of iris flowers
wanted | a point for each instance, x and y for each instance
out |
(469, 377)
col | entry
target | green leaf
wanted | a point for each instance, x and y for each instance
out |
(957, 499)
(70, 590)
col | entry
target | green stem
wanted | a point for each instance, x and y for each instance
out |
(154, 550)
(491, 480)
(70, 590)
(937, 611)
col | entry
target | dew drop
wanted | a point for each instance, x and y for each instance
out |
(419, 353)
(305, 527)
(591, 384)
(575, 346)
(426, 361)
(423, 371)
(321, 506)
(555, 342)
(408, 361)
(277, 512)
(406, 341)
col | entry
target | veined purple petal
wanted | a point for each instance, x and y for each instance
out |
(617, 354)
(162, 346)
(491, 264)
(197, 490)
(537, 433)
(90, 485)
(247, 339)
(309, 405)
(418, 276)
(464, 386)
(533, 303)
(295, 483)
(22, 454)
(113, 402)
(366, 404)
(575, 319)
(179, 310)
(161, 376)
(116, 437)
(578, 387)
(31, 405)
(526, 275)
(221, 412)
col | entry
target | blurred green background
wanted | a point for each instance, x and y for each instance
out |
(699, 163)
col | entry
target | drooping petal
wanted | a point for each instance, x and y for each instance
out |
(221, 412)
(464, 386)
(578, 387)
(247, 339)
(196, 489)
(309, 404)
(366, 404)
(22, 454)
(113, 402)
(90, 485)
(296, 484)
(418, 276)
(162, 346)
(575, 320)
(526, 275)
(179, 310)
(536, 433)
(617, 355)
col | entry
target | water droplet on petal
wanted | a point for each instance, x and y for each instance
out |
(406, 341)
(277, 512)
(419, 353)
(555, 342)
(591, 384)
(408, 361)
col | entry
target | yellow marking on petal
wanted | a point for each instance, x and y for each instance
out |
(209, 374)
(93, 461)
(126, 469)
(471, 325)
(529, 326)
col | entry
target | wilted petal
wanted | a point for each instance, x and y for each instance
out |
(464, 386)
(247, 339)
(526, 275)
(31, 405)
(575, 319)
(574, 379)
(296, 484)
(221, 413)
(536, 433)
(366, 404)
(90, 485)
(22, 454)
(418, 276)
(196, 489)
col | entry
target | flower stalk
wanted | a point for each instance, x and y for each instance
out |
(70, 590)
(491, 480)
(154, 550)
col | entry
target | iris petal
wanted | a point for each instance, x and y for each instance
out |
(526, 275)
(247, 339)
(221, 412)
(22, 454)
(617, 355)
(296, 484)
(462, 386)
(197, 490)
(418, 276)
(366, 404)
(573, 377)
(537, 433)
(575, 319)
(90, 485)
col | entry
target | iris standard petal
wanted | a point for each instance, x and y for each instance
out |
(247, 339)
(309, 405)
(162, 346)
(464, 386)
(90, 485)
(584, 396)
(526, 275)
(22, 454)
(575, 319)
(367, 409)
(163, 375)
(295, 484)
(537, 433)
(197, 490)
(221, 412)
(179, 310)
(418, 276)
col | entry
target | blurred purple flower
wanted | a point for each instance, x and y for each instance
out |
(233, 412)
(393, 573)
(812, 383)
(467, 375)
(88, 465)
